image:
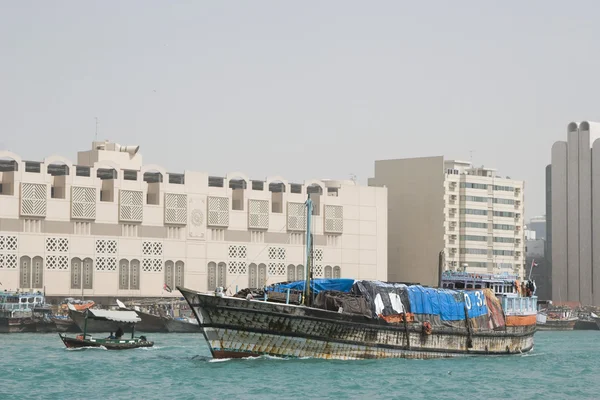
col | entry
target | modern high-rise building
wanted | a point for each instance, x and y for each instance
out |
(109, 226)
(573, 214)
(470, 213)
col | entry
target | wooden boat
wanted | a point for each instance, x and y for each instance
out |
(557, 319)
(17, 311)
(121, 318)
(368, 319)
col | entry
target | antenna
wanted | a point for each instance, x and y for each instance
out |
(96, 137)
(353, 177)
(471, 156)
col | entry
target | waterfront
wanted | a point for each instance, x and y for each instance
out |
(37, 366)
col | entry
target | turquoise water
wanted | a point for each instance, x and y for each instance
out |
(37, 366)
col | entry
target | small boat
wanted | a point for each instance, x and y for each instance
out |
(557, 319)
(586, 322)
(126, 318)
(182, 325)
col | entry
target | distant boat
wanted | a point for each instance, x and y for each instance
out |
(17, 311)
(149, 322)
(557, 319)
(182, 325)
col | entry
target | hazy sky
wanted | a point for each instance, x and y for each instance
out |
(301, 89)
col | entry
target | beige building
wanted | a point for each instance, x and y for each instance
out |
(110, 226)
(470, 213)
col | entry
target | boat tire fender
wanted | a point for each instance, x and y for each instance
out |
(427, 328)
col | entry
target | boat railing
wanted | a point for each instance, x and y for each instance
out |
(519, 305)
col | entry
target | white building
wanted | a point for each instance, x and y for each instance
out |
(573, 214)
(110, 226)
(470, 213)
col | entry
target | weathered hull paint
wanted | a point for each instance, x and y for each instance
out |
(75, 343)
(520, 320)
(16, 325)
(236, 328)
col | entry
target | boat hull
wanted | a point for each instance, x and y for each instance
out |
(235, 328)
(557, 325)
(150, 323)
(17, 325)
(65, 325)
(93, 326)
(176, 326)
(123, 344)
(583, 325)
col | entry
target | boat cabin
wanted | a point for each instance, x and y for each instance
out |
(500, 284)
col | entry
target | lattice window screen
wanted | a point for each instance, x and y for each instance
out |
(277, 269)
(83, 202)
(317, 255)
(318, 270)
(258, 214)
(175, 208)
(238, 251)
(276, 253)
(218, 211)
(334, 219)
(237, 267)
(296, 216)
(57, 245)
(57, 262)
(33, 199)
(8, 243)
(131, 205)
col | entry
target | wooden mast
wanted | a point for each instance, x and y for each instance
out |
(309, 208)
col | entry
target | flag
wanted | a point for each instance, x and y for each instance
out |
(167, 288)
(533, 264)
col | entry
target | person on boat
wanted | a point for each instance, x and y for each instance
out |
(119, 333)
(111, 336)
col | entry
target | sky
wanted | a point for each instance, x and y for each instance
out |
(301, 89)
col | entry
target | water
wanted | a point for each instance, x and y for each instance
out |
(38, 366)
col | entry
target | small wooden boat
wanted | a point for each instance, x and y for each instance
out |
(126, 318)
(110, 344)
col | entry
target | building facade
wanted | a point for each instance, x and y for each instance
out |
(110, 226)
(573, 215)
(470, 213)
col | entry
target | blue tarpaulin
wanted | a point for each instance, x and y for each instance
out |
(316, 285)
(448, 304)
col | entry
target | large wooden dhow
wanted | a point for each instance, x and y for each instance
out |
(368, 319)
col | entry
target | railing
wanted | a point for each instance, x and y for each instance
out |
(519, 305)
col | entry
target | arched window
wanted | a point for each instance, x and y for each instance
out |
(169, 267)
(337, 272)
(222, 275)
(75, 273)
(179, 273)
(300, 273)
(328, 272)
(252, 276)
(134, 275)
(37, 275)
(212, 276)
(25, 273)
(124, 274)
(291, 273)
(88, 274)
(262, 275)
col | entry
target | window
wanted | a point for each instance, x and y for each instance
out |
(474, 238)
(75, 273)
(25, 273)
(238, 187)
(504, 214)
(277, 189)
(328, 274)
(169, 267)
(88, 274)
(337, 272)
(473, 211)
(474, 198)
(473, 251)
(504, 201)
(504, 253)
(469, 185)
(124, 275)
(176, 179)
(134, 275)
(504, 188)
(179, 274)
(129, 175)
(481, 225)
(504, 240)
(504, 227)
